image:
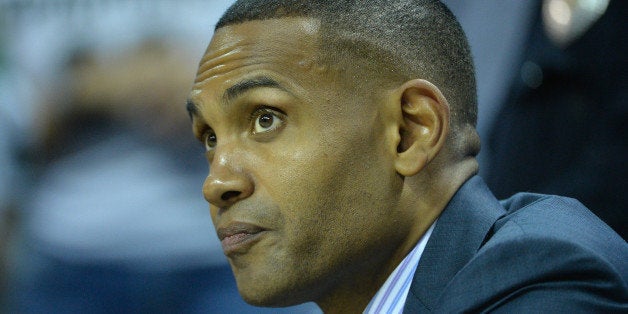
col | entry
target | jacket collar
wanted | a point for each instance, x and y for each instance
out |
(459, 232)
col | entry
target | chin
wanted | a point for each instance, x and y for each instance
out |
(266, 293)
(265, 299)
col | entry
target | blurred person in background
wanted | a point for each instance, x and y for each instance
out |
(551, 88)
(562, 127)
(101, 208)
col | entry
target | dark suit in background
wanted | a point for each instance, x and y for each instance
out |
(563, 128)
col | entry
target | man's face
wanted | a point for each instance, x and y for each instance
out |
(302, 188)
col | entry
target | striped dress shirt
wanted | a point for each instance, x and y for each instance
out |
(391, 297)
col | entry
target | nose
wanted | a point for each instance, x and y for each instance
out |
(227, 182)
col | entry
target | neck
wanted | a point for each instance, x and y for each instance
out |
(353, 293)
(347, 302)
(440, 181)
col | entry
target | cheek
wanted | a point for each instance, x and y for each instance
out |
(341, 190)
(302, 186)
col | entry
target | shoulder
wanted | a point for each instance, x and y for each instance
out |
(547, 253)
(555, 220)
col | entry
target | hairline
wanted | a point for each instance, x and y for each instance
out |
(390, 74)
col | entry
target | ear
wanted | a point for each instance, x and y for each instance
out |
(424, 127)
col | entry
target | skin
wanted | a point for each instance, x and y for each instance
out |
(343, 184)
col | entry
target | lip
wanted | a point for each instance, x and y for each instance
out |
(239, 237)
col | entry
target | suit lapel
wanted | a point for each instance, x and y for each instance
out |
(458, 234)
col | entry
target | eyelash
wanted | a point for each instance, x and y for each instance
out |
(255, 114)
(206, 132)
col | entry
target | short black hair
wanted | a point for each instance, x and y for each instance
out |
(404, 39)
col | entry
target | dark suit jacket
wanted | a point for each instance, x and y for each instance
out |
(531, 253)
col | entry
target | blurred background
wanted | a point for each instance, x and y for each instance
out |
(100, 178)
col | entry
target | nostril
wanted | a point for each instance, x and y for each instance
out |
(229, 195)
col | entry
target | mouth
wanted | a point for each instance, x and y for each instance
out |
(238, 238)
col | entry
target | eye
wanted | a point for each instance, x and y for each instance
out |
(266, 120)
(209, 139)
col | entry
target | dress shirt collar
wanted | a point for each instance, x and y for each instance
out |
(391, 297)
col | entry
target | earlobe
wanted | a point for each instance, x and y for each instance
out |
(425, 114)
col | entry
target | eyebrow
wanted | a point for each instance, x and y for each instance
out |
(237, 90)
(242, 87)
(192, 109)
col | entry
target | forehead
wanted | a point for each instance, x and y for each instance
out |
(270, 32)
(281, 46)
